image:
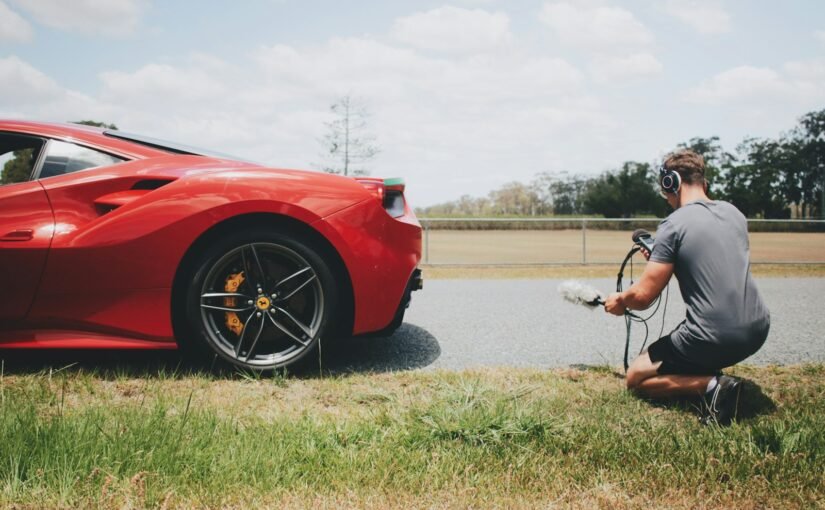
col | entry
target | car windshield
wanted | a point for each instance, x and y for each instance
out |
(175, 148)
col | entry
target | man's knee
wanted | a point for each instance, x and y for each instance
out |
(634, 378)
(640, 369)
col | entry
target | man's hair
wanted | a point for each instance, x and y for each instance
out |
(689, 164)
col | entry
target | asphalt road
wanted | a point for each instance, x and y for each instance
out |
(455, 324)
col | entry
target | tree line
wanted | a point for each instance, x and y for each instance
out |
(765, 178)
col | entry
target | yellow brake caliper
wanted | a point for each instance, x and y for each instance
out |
(233, 322)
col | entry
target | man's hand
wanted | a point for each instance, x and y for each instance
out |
(644, 252)
(615, 304)
(642, 293)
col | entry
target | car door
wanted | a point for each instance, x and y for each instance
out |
(26, 226)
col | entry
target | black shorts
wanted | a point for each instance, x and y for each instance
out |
(673, 362)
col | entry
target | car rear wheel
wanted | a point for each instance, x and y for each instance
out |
(260, 301)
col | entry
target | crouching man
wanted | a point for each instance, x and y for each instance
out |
(705, 244)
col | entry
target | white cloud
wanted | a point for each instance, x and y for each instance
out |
(496, 117)
(760, 100)
(13, 28)
(436, 118)
(505, 114)
(802, 83)
(626, 68)
(595, 27)
(454, 30)
(108, 17)
(388, 73)
(21, 84)
(739, 84)
(617, 44)
(29, 93)
(704, 16)
(156, 84)
(807, 78)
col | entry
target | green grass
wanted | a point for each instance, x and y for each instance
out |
(486, 438)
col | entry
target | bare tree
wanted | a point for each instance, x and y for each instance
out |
(348, 145)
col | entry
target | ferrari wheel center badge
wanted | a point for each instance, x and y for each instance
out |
(263, 303)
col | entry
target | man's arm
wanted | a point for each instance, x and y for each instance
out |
(642, 293)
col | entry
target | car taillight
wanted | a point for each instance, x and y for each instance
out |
(390, 192)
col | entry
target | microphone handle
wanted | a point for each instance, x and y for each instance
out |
(645, 242)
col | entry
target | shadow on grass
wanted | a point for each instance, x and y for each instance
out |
(753, 403)
(409, 348)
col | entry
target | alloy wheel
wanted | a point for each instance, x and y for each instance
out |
(262, 305)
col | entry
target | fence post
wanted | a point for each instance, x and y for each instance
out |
(584, 242)
(426, 243)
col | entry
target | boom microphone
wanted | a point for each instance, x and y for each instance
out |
(580, 294)
(643, 238)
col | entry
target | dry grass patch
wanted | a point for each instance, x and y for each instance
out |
(492, 247)
(356, 396)
(492, 272)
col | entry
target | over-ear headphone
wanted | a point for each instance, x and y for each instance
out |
(670, 180)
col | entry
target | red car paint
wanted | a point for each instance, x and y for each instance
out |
(88, 259)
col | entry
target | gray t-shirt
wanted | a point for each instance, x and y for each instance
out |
(707, 242)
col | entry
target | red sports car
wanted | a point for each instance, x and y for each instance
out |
(111, 240)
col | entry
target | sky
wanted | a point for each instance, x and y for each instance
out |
(464, 96)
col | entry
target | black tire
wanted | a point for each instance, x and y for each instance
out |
(278, 287)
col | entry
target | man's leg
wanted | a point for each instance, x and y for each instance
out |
(643, 378)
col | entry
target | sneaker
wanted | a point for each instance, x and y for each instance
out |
(724, 401)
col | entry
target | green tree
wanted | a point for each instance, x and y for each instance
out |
(95, 124)
(19, 167)
(755, 184)
(807, 179)
(624, 193)
(717, 161)
(560, 193)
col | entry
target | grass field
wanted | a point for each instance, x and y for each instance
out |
(602, 246)
(495, 438)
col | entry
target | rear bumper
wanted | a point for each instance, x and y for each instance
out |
(381, 254)
(417, 280)
(416, 283)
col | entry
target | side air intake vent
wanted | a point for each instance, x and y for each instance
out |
(150, 184)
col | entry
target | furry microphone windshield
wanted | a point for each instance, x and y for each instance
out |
(580, 293)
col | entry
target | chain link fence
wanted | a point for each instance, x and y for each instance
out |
(559, 241)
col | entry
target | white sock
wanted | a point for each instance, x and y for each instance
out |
(711, 385)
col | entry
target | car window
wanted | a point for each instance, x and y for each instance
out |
(65, 158)
(18, 155)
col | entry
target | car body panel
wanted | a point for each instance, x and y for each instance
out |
(117, 236)
(379, 249)
(26, 228)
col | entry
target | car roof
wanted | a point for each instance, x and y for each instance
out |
(84, 135)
